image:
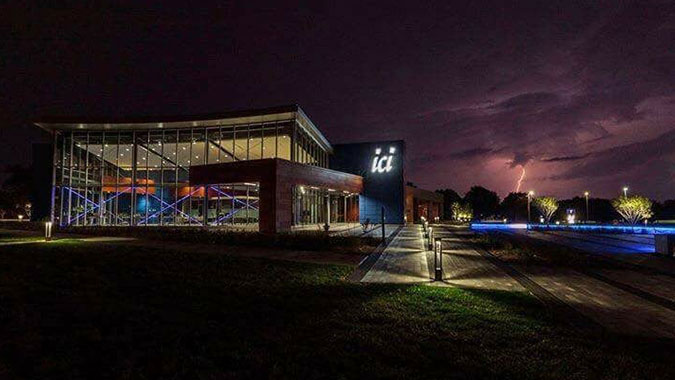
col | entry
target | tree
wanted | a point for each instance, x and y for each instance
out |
(461, 211)
(449, 198)
(484, 202)
(633, 208)
(514, 206)
(547, 206)
(14, 199)
(665, 210)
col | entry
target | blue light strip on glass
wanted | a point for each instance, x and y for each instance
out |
(173, 206)
(232, 197)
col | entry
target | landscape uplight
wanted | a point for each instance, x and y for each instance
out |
(48, 231)
(438, 260)
(625, 191)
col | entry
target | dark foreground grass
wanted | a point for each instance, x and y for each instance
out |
(13, 236)
(70, 309)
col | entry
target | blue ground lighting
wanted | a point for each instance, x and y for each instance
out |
(596, 228)
(498, 226)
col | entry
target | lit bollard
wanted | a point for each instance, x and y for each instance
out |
(431, 238)
(48, 231)
(438, 260)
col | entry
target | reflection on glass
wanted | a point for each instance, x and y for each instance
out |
(141, 177)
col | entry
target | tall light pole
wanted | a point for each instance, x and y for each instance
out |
(625, 191)
(586, 193)
(529, 200)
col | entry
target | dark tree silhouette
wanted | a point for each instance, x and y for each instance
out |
(484, 202)
(514, 207)
(449, 197)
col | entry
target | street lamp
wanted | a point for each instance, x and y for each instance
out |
(586, 193)
(625, 191)
(530, 194)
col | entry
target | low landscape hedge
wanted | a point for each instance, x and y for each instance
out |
(521, 248)
(23, 226)
(305, 240)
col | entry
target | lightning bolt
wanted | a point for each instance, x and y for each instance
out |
(520, 180)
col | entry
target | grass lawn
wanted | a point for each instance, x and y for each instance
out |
(71, 309)
(12, 236)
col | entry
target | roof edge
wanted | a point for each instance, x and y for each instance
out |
(46, 120)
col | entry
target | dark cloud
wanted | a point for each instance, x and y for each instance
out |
(471, 153)
(529, 102)
(626, 157)
(564, 158)
(581, 94)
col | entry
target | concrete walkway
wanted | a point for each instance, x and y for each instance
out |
(404, 261)
(407, 261)
(622, 300)
(464, 267)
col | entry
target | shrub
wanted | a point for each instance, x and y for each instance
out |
(304, 240)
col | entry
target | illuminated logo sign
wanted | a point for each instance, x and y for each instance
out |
(382, 162)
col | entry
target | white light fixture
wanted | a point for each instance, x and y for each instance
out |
(48, 231)
(378, 151)
(392, 150)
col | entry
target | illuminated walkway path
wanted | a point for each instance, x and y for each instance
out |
(465, 267)
(406, 260)
(403, 261)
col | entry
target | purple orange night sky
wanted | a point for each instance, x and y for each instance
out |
(579, 95)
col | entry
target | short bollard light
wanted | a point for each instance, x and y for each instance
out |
(20, 218)
(438, 260)
(431, 238)
(48, 231)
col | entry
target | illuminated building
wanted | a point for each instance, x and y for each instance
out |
(268, 169)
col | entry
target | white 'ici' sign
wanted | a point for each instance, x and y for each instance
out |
(382, 162)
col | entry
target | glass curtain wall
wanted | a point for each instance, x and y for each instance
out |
(142, 177)
(313, 205)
